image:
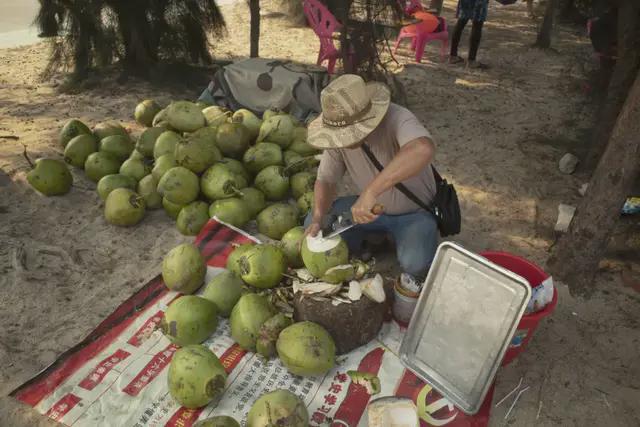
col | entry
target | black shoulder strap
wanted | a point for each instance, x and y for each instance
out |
(400, 186)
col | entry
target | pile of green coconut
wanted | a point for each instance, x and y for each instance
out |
(299, 298)
(194, 161)
(295, 299)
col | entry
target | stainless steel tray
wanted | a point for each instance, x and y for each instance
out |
(462, 325)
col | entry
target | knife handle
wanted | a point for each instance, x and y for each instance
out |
(377, 209)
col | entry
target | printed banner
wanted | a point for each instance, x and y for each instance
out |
(118, 375)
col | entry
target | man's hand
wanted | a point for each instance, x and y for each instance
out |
(313, 229)
(363, 207)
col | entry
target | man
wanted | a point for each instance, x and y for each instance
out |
(476, 11)
(355, 114)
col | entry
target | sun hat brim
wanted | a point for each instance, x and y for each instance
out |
(323, 136)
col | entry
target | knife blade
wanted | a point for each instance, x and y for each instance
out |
(345, 222)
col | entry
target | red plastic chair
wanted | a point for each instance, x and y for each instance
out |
(423, 32)
(324, 24)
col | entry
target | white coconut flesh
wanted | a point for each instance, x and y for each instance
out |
(373, 288)
(304, 275)
(316, 288)
(355, 290)
(319, 244)
(392, 412)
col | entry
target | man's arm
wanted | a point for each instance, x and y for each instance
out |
(323, 195)
(412, 158)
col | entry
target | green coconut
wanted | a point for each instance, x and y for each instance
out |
(189, 320)
(305, 203)
(306, 349)
(160, 118)
(301, 183)
(203, 104)
(238, 168)
(185, 116)
(100, 164)
(234, 257)
(278, 408)
(275, 220)
(50, 177)
(162, 165)
(218, 182)
(254, 200)
(148, 190)
(273, 182)
(219, 421)
(290, 244)
(147, 140)
(124, 207)
(277, 129)
(146, 111)
(119, 146)
(320, 254)
(135, 168)
(215, 115)
(79, 148)
(303, 164)
(179, 185)
(261, 155)
(109, 128)
(268, 334)
(249, 120)
(302, 148)
(262, 266)
(339, 274)
(172, 209)
(196, 153)
(192, 218)
(71, 129)
(247, 316)
(166, 144)
(273, 111)
(183, 269)
(196, 376)
(207, 134)
(224, 290)
(291, 157)
(108, 183)
(233, 211)
(233, 139)
(135, 154)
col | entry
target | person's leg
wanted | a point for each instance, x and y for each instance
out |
(476, 36)
(457, 34)
(416, 239)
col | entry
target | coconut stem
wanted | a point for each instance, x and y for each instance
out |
(293, 166)
(26, 156)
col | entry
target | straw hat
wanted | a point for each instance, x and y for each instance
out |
(351, 110)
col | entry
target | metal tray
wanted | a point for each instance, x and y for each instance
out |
(462, 325)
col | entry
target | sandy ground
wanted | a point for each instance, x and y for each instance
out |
(499, 133)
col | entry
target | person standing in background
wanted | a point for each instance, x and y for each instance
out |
(476, 11)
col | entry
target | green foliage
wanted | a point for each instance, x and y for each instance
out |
(138, 34)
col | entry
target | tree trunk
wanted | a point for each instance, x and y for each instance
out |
(436, 5)
(624, 72)
(254, 7)
(576, 256)
(140, 53)
(543, 40)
